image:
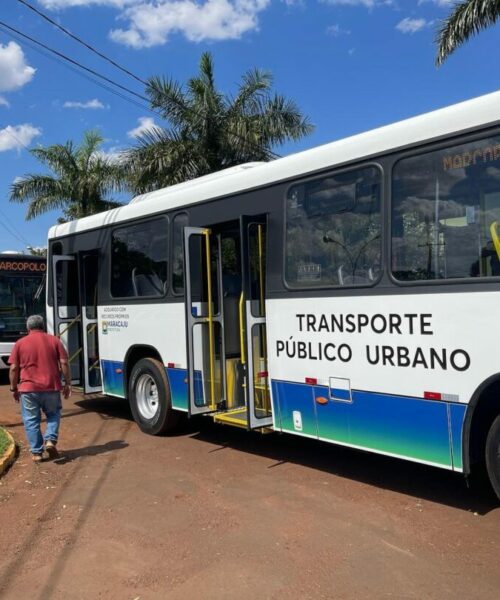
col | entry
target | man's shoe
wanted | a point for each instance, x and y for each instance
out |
(36, 458)
(51, 449)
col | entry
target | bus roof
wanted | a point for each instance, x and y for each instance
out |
(464, 116)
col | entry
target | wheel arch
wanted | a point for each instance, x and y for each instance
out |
(482, 409)
(134, 354)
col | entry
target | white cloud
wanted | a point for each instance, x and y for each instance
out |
(60, 4)
(4, 102)
(151, 23)
(365, 3)
(336, 30)
(145, 123)
(408, 25)
(440, 3)
(113, 154)
(17, 136)
(90, 104)
(14, 71)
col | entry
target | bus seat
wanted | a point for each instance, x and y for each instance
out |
(147, 284)
(460, 249)
(361, 276)
(232, 290)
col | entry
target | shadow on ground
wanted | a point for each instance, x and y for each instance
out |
(412, 479)
(67, 456)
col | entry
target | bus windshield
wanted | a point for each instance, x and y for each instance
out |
(20, 296)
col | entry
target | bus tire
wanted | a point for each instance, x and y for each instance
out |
(149, 397)
(493, 455)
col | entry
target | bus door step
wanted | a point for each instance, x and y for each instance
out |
(236, 417)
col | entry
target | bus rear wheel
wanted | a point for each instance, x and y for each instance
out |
(493, 455)
(149, 397)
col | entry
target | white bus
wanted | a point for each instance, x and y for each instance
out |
(348, 293)
(22, 293)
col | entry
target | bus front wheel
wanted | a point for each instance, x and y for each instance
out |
(149, 397)
(493, 455)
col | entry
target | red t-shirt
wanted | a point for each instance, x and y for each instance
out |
(38, 355)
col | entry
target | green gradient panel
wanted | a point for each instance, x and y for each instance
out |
(457, 417)
(114, 383)
(409, 427)
(295, 397)
(177, 379)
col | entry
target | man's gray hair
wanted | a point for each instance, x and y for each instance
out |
(35, 322)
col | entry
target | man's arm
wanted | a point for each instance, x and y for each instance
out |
(14, 380)
(67, 377)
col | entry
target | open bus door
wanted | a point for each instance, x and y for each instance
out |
(89, 270)
(67, 315)
(253, 257)
(75, 316)
(204, 321)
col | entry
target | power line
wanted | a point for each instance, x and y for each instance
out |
(11, 230)
(75, 70)
(130, 73)
(81, 41)
(14, 137)
(72, 61)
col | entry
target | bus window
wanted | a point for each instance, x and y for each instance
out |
(333, 230)
(139, 260)
(444, 205)
(180, 221)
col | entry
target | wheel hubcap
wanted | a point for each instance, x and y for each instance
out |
(146, 394)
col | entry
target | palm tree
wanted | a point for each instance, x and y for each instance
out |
(82, 181)
(465, 20)
(209, 130)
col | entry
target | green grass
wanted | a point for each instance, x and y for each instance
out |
(4, 441)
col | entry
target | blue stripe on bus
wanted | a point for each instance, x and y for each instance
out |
(343, 395)
(113, 382)
(409, 427)
(177, 379)
(457, 417)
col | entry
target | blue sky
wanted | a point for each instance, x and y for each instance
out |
(351, 65)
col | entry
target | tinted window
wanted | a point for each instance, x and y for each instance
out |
(180, 221)
(333, 230)
(140, 259)
(446, 207)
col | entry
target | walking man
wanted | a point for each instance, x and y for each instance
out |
(36, 363)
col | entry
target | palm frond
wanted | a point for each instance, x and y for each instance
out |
(466, 20)
(167, 96)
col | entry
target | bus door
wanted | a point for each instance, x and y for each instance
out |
(204, 321)
(89, 270)
(67, 315)
(253, 321)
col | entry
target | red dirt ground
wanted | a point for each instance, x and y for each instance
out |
(216, 512)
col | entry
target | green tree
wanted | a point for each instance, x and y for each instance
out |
(466, 19)
(82, 180)
(37, 250)
(209, 130)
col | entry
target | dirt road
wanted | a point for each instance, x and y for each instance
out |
(216, 512)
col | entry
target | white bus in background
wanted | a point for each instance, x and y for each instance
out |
(22, 293)
(349, 293)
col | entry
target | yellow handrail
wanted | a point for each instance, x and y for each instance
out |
(71, 358)
(75, 320)
(495, 238)
(206, 233)
(263, 342)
